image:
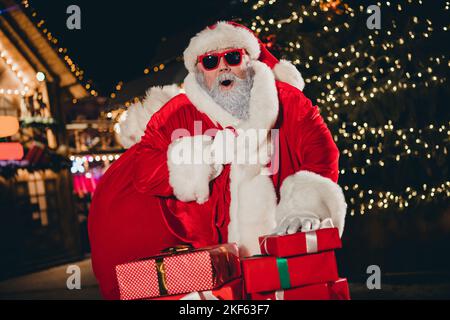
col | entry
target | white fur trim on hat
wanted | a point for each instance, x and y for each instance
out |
(285, 71)
(223, 36)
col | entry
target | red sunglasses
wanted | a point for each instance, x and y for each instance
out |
(210, 61)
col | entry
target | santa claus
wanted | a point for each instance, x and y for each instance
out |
(155, 196)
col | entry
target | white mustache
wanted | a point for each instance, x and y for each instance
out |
(236, 100)
(224, 76)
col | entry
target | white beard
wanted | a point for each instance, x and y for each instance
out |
(236, 101)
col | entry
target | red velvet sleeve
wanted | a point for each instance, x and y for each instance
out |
(151, 173)
(315, 147)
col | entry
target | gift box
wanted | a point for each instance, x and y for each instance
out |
(300, 243)
(230, 291)
(178, 272)
(268, 273)
(337, 290)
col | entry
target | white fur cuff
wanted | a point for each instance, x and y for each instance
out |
(307, 193)
(189, 175)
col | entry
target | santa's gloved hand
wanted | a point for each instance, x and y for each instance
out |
(293, 223)
(201, 191)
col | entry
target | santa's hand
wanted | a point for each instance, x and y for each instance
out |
(293, 223)
(201, 194)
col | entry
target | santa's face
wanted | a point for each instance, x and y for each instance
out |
(218, 74)
(227, 79)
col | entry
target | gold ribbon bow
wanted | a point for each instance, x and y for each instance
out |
(160, 268)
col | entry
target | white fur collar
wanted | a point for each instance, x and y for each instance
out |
(263, 101)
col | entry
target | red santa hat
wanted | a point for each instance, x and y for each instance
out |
(226, 34)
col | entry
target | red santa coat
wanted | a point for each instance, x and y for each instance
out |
(135, 212)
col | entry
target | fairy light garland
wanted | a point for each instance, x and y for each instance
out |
(297, 16)
(362, 131)
(63, 52)
(362, 170)
(80, 164)
(345, 100)
(148, 71)
(341, 83)
(370, 150)
(412, 143)
(380, 200)
(356, 76)
(14, 68)
(258, 19)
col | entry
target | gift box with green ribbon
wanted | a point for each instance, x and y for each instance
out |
(268, 273)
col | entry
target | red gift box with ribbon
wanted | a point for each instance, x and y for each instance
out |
(301, 242)
(268, 273)
(229, 291)
(337, 290)
(181, 270)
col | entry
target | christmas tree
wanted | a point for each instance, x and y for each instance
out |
(379, 76)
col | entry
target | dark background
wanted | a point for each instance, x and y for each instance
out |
(118, 39)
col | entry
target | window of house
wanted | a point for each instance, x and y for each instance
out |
(42, 195)
(36, 191)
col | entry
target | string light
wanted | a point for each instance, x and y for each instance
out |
(13, 67)
(380, 200)
(81, 163)
(53, 41)
(147, 71)
(355, 76)
(341, 84)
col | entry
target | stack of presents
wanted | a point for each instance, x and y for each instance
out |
(299, 266)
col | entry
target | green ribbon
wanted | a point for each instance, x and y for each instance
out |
(283, 273)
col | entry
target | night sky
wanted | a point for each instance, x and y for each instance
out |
(118, 39)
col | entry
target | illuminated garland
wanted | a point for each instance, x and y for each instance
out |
(384, 199)
(62, 52)
(81, 163)
(17, 72)
(353, 68)
(147, 71)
